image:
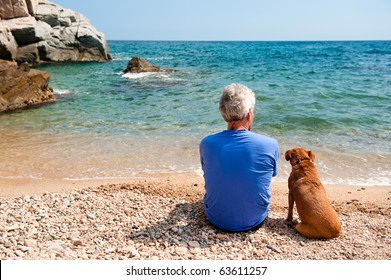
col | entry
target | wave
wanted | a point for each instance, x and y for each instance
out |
(63, 91)
(119, 58)
(125, 57)
(151, 76)
(136, 76)
(371, 182)
(160, 58)
(342, 174)
(378, 51)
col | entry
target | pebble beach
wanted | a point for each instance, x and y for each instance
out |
(163, 219)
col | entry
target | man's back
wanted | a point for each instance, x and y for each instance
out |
(238, 166)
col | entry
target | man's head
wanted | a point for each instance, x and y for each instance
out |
(236, 102)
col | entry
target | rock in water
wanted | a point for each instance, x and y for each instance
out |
(139, 65)
(37, 31)
(22, 86)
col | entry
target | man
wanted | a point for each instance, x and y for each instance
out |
(238, 166)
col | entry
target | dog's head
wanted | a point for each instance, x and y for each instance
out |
(297, 155)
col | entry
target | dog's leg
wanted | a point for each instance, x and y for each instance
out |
(307, 230)
(291, 202)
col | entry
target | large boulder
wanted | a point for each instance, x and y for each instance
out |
(139, 65)
(22, 86)
(13, 9)
(38, 31)
(8, 45)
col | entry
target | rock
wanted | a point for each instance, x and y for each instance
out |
(74, 236)
(22, 87)
(8, 44)
(271, 247)
(222, 236)
(194, 244)
(13, 9)
(131, 250)
(13, 227)
(30, 243)
(92, 250)
(181, 250)
(195, 251)
(38, 31)
(53, 247)
(174, 229)
(77, 242)
(23, 248)
(19, 253)
(90, 216)
(110, 250)
(139, 65)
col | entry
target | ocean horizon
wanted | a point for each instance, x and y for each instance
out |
(331, 97)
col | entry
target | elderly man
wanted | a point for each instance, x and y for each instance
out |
(238, 166)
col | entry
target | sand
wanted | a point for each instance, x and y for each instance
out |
(160, 216)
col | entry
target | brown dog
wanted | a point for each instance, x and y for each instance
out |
(318, 218)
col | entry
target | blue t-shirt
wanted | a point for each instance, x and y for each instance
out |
(238, 166)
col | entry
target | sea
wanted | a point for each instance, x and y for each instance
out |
(333, 98)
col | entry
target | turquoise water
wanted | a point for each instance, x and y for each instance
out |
(331, 97)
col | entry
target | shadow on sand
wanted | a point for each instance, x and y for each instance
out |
(187, 226)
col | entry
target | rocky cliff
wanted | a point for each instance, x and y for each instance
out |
(38, 31)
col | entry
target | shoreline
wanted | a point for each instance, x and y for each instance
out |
(372, 197)
(161, 217)
(14, 187)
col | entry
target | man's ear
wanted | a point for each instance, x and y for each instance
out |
(248, 116)
(288, 155)
(311, 155)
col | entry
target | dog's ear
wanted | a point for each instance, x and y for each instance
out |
(311, 155)
(288, 155)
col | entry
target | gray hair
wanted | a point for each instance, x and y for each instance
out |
(236, 101)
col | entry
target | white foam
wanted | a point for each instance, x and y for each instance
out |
(344, 173)
(63, 91)
(21, 177)
(98, 178)
(135, 76)
(159, 58)
(151, 76)
(119, 59)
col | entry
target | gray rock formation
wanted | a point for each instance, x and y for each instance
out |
(38, 31)
(22, 87)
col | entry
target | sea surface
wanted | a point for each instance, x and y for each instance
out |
(333, 98)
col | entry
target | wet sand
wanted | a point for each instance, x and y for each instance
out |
(372, 196)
